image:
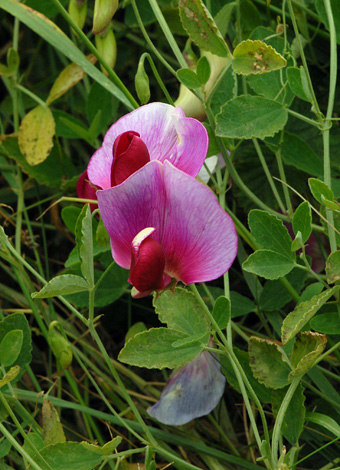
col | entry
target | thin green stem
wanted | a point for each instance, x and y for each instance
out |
(120, 383)
(312, 122)
(280, 417)
(148, 40)
(167, 33)
(283, 178)
(31, 95)
(240, 375)
(330, 107)
(315, 104)
(160, 82)
(268, 175)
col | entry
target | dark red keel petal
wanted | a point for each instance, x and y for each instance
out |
(86, 190)
(147, 262)
(129, 155)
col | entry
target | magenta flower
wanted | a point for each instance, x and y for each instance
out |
(156, 131)
(191, 392)
(163, 225)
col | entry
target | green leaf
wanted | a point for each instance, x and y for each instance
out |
(310, 291)
(307, 348)
(268, 364)
(55, 169)
(319, 188)
(296, 152)
(201, 28)
(240, 305)
(181, 311)
(247, 117)
(301, 315)
(62, 285)
(153, 349)
(274, 85)
(261, 390)
(274, 296)
(326, 323)
(106, 449)
(67, 456)
(223, 17)
(68, 78)
(270, 233)
(268, 264)
(84, 238)
(59, 345)
(302, 220)
(325, 421)
(36, 134)
(223, 91)
(297, 80)
(18, 321)
(294, 417)
(255, 57)
(333, 267)
(335, 9)
(142, 84)
(188, 78)
(221, 311)
(10, 375)
(70, 214)
(203, 70)
(10, 347)
(53, 430)
(58, 39)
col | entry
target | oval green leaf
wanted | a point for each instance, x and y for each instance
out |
(154, 349)
(268, 264)
(297, 319)
(10, 347)
(247, 117)
(62, 285)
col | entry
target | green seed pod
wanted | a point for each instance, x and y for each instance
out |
(107, 47)
(78, 10)
(103, 14)
(142, 83)
(60, 346)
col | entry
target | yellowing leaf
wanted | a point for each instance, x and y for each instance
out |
(36, 134)
(70, 76)
(53, 430)
(253, 57)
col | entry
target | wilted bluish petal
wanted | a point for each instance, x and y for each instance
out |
(192, 391)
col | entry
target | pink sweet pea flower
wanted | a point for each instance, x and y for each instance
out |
(163, 225)
(192, 391)
(156, 131)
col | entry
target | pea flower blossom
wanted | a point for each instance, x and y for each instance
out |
(163, 225)
(156, 131)
(192, 391)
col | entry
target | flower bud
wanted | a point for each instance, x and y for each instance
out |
(103, 13)
(191, 105)
(60, 346)
(78, 10)
(142, 83)
(107, 47)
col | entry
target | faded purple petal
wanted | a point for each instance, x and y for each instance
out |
(167, 134)
(192, 391)
(199, 238)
